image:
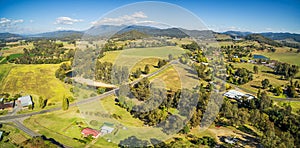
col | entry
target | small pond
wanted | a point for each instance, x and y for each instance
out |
(258, 56)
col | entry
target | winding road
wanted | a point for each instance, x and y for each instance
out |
(17, 119)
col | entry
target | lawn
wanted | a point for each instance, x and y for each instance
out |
(36, 80)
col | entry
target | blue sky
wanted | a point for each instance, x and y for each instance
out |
(33, 16)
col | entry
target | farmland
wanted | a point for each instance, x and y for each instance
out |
(26, 79)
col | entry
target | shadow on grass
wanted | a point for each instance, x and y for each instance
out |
(52, 141)
(255, 86)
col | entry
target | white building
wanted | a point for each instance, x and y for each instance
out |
(25, 101)
(106, 130)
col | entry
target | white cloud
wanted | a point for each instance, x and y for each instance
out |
(223, 28)
(64, 28)
(66, 21)
(125, 19)
(10, 25)
(5, 22)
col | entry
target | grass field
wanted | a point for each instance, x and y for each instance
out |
(4, 70)
(288, 57)
(138, 57)
(152, 62)
(295, 105)
(178, 77)
(17, 49)
(139, 53)
(63, 126)
(170, 78)
(35, 80)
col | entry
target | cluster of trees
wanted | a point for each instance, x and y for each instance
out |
(141, 90)
(197, 55)
(192, 46)
(234, 51)
(290, 89)
(161, 63)
(202, 71)
(266, 117)
(158, 102)
(103, 71)
(61, 72)
(112, 46)
(45, 52)
(238, 76)
(139, 71)
(286, 70)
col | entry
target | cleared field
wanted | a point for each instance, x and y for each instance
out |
(295, 105)
(170, 78)
(154, 52)
(4, 70)
(182, 41)
(135, 58)
(178, 76)
(16, 50)
(152, 62)
(36, 80)
(288, 57)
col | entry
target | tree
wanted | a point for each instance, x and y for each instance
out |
(265, 83)
(291, 91)
(161, 63)
(255, 69)
(170, 57)
(141, 89)
(101, 90)
(65, 103)
(265, 101)
(42, 102)
(277, 91)
(147, 69)
(137, 73)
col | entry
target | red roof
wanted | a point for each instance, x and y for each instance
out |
(89, 131)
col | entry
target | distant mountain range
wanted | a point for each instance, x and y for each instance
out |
(110, 30)
(270, 35)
